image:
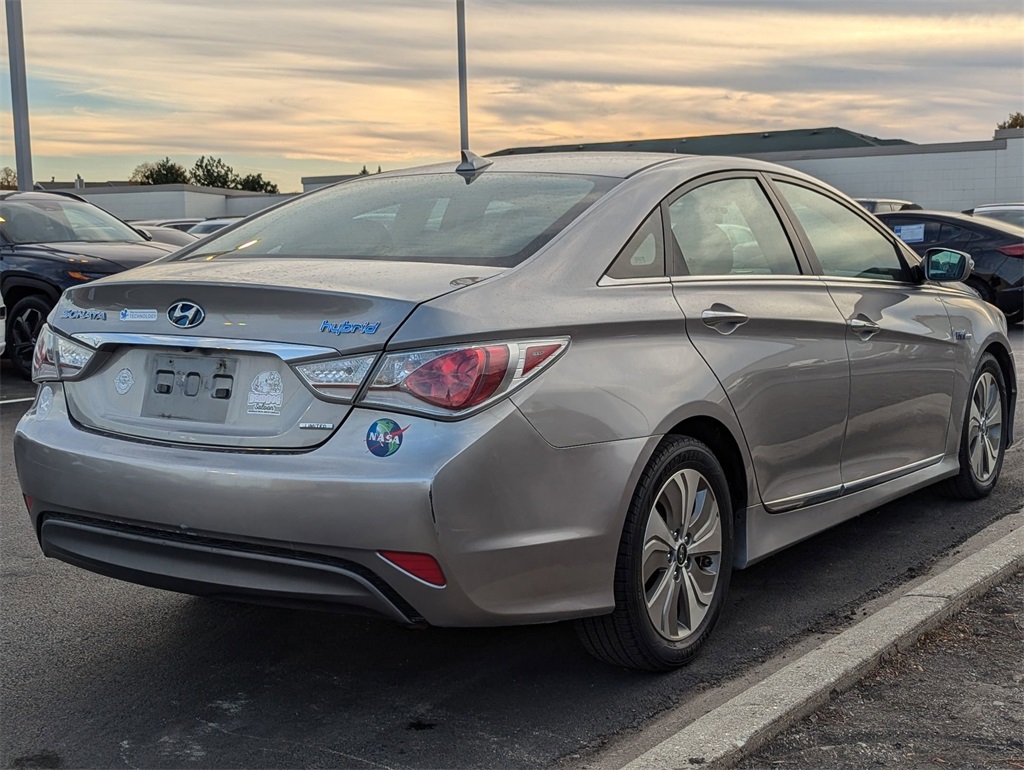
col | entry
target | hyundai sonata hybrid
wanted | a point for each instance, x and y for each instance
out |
(576, 386)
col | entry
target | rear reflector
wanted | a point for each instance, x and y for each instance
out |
(419, 565)
(1016, 250)
(28, 502)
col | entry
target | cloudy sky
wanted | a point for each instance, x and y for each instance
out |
(306, 87)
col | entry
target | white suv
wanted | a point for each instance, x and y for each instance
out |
(1011, 213)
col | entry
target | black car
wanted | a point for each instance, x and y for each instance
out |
(49, 242)
(996, 247)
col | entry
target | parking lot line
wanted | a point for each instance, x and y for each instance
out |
(17, 400)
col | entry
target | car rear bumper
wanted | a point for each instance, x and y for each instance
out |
(524, 532)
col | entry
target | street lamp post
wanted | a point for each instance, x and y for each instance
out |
(19, 94)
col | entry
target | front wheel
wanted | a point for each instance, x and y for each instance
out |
(983, 436)
(674, 562)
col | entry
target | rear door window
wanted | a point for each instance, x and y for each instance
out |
(729, 227)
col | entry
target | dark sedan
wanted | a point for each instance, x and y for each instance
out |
(53, 241)
(996, 247)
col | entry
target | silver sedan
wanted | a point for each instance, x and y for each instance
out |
(579, 386)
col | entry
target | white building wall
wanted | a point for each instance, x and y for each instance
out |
(243, 206)
(136, 203)
(944, 177)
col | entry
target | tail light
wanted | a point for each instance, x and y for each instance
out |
(58, 358)
(1014, 250)
(458, 380)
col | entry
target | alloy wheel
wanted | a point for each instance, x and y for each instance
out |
(682, 554)
(25, 329)
(985, 432)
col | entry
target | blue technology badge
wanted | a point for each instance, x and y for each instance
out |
(384, 437)
(349, 328)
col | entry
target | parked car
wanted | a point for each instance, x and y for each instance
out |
(1011, 213)
(49, 242)
(182, 224)
(997, 249)
(882, 205)
(208, 226)
(549, 388)
(3, 323)
(168, 235)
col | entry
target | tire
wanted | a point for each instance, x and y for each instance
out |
(25, 319)
(983, 435)
(682, 477)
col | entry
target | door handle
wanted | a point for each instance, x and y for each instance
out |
(727, 319)
(863, 327)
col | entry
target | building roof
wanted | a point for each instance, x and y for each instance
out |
(756, 142)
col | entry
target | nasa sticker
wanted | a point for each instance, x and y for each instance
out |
(384, 437)
(123, 381)
(266, 394)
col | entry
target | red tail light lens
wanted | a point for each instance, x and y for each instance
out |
(1015, 250)
(420, 565)
(456, 381)
(460, 379)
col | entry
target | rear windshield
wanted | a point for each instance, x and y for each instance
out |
(498, 219)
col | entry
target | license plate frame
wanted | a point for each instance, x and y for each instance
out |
(189, 387)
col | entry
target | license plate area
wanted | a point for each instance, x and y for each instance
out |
(194, 388)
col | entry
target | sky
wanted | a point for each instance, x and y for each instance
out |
(293, 88)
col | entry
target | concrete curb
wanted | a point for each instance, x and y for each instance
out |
(740, 726)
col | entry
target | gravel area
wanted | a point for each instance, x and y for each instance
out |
(954, 700)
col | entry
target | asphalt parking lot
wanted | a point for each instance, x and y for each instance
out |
(99, 673)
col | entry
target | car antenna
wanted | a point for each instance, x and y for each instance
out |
(472, 164)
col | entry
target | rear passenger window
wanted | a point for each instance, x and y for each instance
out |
(914, 231)
(846, 245)
(729, 227)
(644, 254)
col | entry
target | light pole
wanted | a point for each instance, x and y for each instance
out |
(471, 164)
(19, 94)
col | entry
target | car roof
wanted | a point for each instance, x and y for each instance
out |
(40, 195)
(1000, 206)
(612, 164)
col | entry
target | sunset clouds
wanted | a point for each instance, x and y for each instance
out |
(304, 87)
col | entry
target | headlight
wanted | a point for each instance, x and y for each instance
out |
(58, 358)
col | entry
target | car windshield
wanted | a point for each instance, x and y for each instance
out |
(61, 221)
(496, 219)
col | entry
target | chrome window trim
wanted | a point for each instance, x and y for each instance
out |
(608, 281)
(748, 277)
(285, 351)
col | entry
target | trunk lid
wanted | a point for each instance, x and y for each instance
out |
(227, 380)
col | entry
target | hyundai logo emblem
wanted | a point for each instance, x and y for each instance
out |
(185, 315)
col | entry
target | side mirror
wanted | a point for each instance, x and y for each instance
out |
(946, 265)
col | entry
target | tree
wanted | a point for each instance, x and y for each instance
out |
(364, 172)
(256, 183)
(378, 169)
(8, 178)
(213, 172)
(163, 171)
(1016, 120)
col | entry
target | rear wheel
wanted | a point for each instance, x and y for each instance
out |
(674, 562)
(24, 322)
(983, 436)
